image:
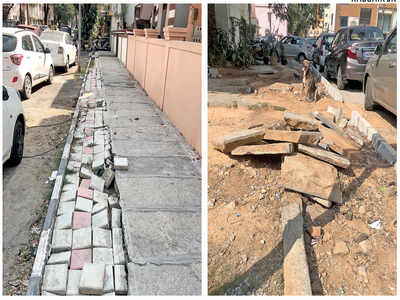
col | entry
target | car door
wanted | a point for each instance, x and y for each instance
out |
(8, 126)
(30, 63)
(41, 57)
(386, 74)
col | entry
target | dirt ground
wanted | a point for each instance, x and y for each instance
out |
(26, 189)
(245, 254)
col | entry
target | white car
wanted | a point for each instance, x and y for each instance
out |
(13, 127)
(62, 48)
(26, 62)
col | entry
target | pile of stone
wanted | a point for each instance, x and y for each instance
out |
(87, 254)
(312, 146)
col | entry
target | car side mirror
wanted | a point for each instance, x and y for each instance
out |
(378, 49)
(47, 50)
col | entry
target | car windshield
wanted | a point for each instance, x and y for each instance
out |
(329, 38)
(52, 36)
(9, 43)
(366, 33)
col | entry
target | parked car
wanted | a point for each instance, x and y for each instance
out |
(26, 62)
(33, 28)
(292, 46)
(62, 48)
(320, 50)
(349, 53)
(380, 78)
(13, 126)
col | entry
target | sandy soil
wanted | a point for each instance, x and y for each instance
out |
(245, 196)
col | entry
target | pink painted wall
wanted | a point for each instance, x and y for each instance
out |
(276, 26)
(170, 73)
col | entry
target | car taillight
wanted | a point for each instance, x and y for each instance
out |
(60, 50)
(15, 79)
(308, 48)
(350, 53)
(16, 58)
(322, 52)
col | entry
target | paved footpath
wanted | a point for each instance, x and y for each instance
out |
(160, 193)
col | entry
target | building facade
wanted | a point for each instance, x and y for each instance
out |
(267, 22)
(28, 14)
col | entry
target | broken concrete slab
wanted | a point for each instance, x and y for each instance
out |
(324, 155)
(327, 121)
(267, 149)
(300, 121)
(55, 279)
(355, 136)
(310, 176)
(299, 137)
(338, 143)
(240, 138)
(295, 268)
(92, 279)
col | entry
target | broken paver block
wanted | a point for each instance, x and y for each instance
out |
(342, 123)
(82, 238)
(101, 220)
(311, 176)
(118, 251)
(85, 173)
(299, 137)
(338, 143)
(83, 204)
(62, 240)
(278, 148)
(120, 163)
(229, 142)
(79, 257)
(98, 207)
(97, 183)
(100, 197)
(108, 176)
(115, 217)
(113, 202)
(85, 193)
(323, 202)
(68, 196)
(325, 120)
(81, 220)
(74, 278)
(64, 221)
(109, 279)
(60, 258)
(92, 279)
(295, 268)
(121, 283)
(66, 208)
(327, 156)
(55, 279)
(300, 121)
(102, 238)
(103, 256)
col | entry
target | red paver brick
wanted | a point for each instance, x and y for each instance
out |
(85, 193)
(85, 183)
(80, 257)
(88, 150)
(81, 220)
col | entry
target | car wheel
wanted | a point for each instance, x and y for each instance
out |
(369, 100)
(339, 79)
(66, 67)
(325, 72)
(51, 74)
(17, 149)
(27, 88)
(301, 58)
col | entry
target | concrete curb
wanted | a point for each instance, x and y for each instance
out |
(381, 147)
(332, 91)
(43, 249)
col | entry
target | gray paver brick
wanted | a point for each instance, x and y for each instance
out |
(102, 238)
(118, 251)
(55, 279)
(60, 258)
(99, 207)
(121, 283)
(115, 217)
(83, 204)
(103, 256)
(97, 183)
(109, 279)
(62, 240)
(64, 221)
(120, 163)
(82, 238)
(85, 173)
(68, 196)
(66, 207)
(101, 220)
(74, 278)
(100, 197)
(92, 279)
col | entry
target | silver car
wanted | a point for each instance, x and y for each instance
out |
(380, 78)
(293, 46)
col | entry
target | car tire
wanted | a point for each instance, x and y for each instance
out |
(369, 100)
(301, 58)
(17, 149)
(325, 72)
(66, 67)
(51, 75)
(341, 84)
(27, 87)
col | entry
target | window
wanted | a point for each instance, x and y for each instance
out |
(391, 45)
(9, 43)
(366, 33)
(38, 45)
(365, 16)
(27, 43)
(343, 21)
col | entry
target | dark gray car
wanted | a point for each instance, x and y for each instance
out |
(350, 51)
(380, 79)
